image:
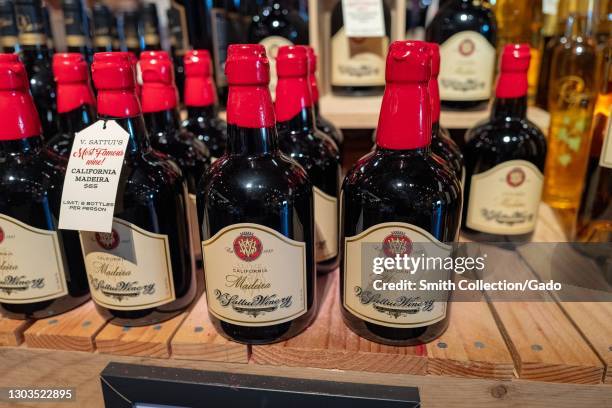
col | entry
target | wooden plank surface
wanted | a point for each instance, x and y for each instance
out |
(328, 343)
(73, 330)
(544, 343)
(197, 339)
(585, 298)
(145, 341)
(472, 346)
(11, 331)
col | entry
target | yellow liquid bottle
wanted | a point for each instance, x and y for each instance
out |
(571, 98)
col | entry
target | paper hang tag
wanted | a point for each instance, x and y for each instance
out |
(92, 177)
(363, 18)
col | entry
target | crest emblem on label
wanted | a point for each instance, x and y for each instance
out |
(515, 177)
(397, 243)
(467, 47)
(247, 246)
(1, 235)
(108, 240)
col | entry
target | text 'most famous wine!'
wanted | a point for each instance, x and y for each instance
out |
(256, 207)
(398, 200)
(140, 272)
(312, 149)
(53, 280)
(505, 160)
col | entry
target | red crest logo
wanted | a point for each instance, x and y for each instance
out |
(515, 177)
(467, 47)
(1, 235)
(397, 243)
(248, 247)
(108, 240)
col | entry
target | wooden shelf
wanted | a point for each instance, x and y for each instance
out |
(351, 112)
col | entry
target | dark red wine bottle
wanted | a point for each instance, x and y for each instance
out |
(150, 27)
(441, 142)
(201, 103)
(41, 268)
(104, 27)
(323, 124)
(396, 199)
(255, 208)
(8, 27)
(467, 33)
(276, 24)
(36, 57)
(149, 242)
(131, 32)
(76, 24)
(317, 153)
(159, 105)
(504, 160)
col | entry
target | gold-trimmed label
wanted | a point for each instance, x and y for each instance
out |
(255, 276)
(31, 263)
(128, 268)
(401, 309)
(505, 198)
(358, 61)
(326, 225)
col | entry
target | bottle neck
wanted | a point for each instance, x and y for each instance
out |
(29, 146)
(510, 108)
(77, 119)
(138, 141)
(405, 121)
(314, 89)
(203, 112)
(165, 121)
(250, 106)
(293, 106)
(19, 119)
(244, 141)
(434, 94)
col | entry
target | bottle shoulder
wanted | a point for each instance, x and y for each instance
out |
(312, 148)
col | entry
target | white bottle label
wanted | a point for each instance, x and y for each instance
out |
(31, 263)
(358, 61)
(505, 199)
(363, 18)
(550, 6)
(392, 308)
(467, 62)
(605, 160)
(326, 224)
(272, 44)
(92, 177)
(128, 268)
(255, 276)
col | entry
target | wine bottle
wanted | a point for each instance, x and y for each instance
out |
(396, 199)
(441, 142)
(103, 27)
(150, 27)
(159, 105)
(8, 27)
(555, 15)
(571, 99)
(322, 123)
(255, 208)
(467, 34)
(201, 103)
(47, 28)
(313, 150)
(76, 23)
(149, 242)
(595, 211)
(36, 57)
(75, 106)
(178, 46)
(276, 24)
(42, 270)
(505, 160)
(359, 46)
(131, 32)
(237, 24)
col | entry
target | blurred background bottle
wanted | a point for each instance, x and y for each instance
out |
(571, 99)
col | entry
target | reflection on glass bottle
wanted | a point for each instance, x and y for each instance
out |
(595, 213)
(571, 99)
